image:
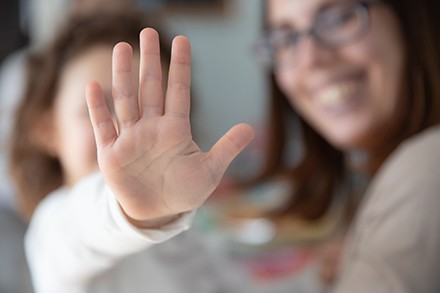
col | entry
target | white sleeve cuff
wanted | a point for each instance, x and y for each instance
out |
(158, 235)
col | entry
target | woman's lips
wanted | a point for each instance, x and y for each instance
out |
(339, 97)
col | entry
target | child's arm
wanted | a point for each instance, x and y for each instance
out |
(153, 167)
(80, 232)
(149, 160)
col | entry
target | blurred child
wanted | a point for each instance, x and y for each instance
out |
(91, 235)
(54, 149)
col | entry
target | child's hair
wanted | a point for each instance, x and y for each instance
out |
(35, 171)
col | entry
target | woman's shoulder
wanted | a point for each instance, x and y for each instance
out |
(411, 172)
(424, 144)
(396, 235)
(416, 154)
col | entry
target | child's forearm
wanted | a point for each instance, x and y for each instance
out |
(79, 233)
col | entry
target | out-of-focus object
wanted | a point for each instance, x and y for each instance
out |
(266, 247)
(12, 27)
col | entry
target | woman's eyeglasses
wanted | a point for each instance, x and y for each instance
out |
(336, 25)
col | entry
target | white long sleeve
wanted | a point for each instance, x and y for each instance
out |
(77, 233)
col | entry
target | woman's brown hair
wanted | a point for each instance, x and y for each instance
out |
(35, 171)
(323, 170)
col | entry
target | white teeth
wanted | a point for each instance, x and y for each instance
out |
(337, 94)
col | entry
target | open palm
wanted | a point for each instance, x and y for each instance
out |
(149, 159)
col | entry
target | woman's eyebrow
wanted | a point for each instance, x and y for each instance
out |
(324, 6)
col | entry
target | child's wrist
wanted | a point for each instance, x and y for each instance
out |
(155, 223)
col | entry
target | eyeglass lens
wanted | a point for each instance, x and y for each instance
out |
(335, 26)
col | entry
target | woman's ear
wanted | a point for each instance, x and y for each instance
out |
(44, 134)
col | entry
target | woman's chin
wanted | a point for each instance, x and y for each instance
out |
(347, 141)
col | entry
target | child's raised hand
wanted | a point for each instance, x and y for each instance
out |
(149, 160)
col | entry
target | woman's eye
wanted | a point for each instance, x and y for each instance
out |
(339, 20)
(282, 39)
(338, 16)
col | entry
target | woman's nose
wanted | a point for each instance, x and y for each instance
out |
(312, 54)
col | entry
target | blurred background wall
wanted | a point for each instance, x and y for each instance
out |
(229, 85)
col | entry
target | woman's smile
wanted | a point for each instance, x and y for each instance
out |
(339, 96)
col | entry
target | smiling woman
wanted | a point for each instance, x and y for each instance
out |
(350, 90)
(337, 84)
(361, 79)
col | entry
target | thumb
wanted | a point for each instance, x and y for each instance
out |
(227, 148)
